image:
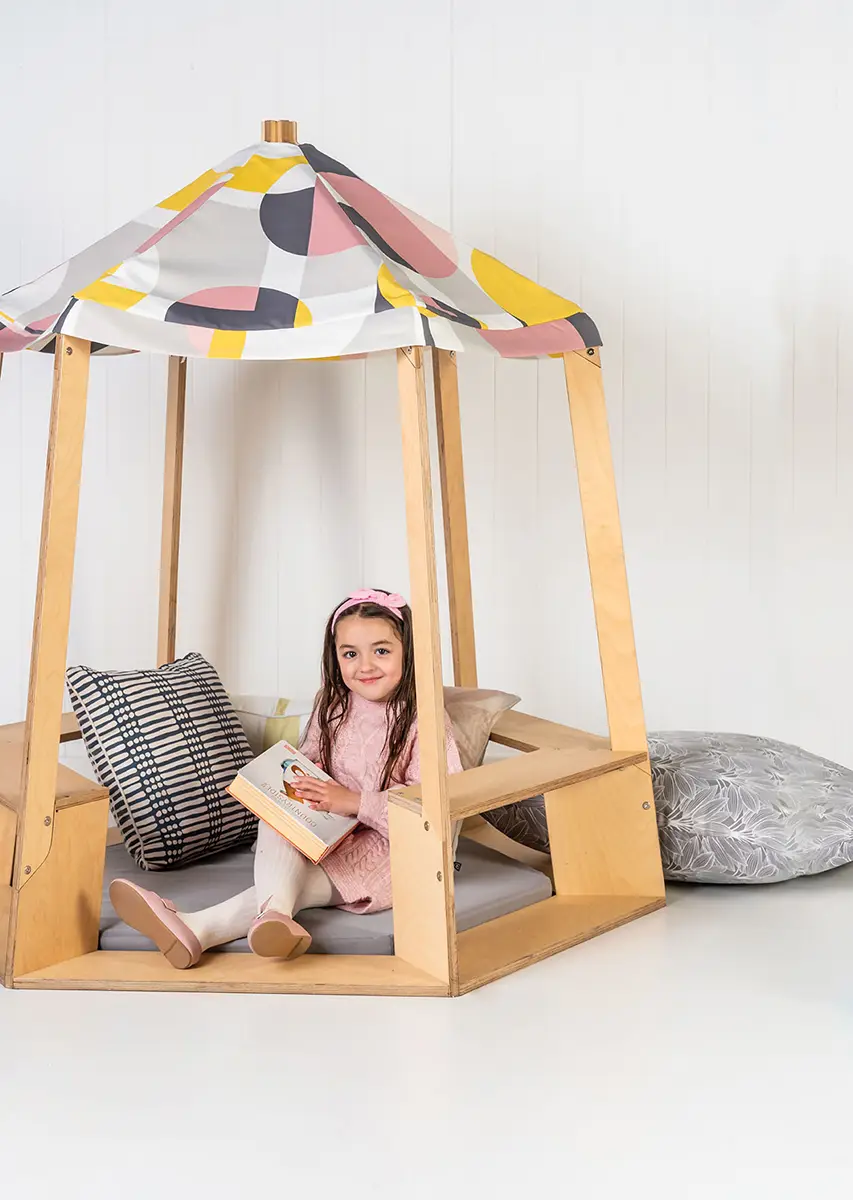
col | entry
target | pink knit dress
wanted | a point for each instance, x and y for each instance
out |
(360, 868)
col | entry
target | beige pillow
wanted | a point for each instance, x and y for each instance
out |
(473, 713)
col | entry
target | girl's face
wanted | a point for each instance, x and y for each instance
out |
(370, 655)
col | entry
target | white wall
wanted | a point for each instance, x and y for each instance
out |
(680, 170)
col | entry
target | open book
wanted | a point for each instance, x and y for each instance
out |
(265, 786)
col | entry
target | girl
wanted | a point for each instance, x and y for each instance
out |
(362, 732)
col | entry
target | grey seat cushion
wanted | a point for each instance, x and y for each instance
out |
(731, 808)
(488, 885)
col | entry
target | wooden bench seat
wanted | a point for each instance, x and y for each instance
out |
(517, 778)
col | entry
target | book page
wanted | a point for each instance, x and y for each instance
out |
(276, 771)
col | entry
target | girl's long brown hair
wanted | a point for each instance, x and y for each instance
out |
(332, 704)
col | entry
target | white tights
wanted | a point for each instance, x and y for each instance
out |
(284, 881)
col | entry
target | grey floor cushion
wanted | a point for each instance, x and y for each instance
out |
(488, 885)
(735, 808)
(524, 822)
(731, 808)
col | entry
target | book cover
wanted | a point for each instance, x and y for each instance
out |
(266, 786)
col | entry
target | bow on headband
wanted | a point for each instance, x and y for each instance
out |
(392, 601)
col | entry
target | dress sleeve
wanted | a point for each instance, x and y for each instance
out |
(373, 810)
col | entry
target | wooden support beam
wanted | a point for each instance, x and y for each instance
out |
(176, 398)
(603, 533)
(417, 884)
(69, 730)
(449, 429)
(53, 604)
(523, 732)
(512, 779)
(437, 922)
(8, 829)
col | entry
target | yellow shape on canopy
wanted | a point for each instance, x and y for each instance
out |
(259, 173)
(397, 296)
(516, 294)
(303, 315)
(179, 200)
(227, 343)
(113, 295)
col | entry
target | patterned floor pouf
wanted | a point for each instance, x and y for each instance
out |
(731, 808)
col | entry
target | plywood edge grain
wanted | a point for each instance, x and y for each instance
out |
(313, 974)
(510, 943)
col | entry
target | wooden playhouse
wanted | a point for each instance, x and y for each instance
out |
(330, 268)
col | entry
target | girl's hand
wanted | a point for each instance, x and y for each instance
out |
(327, 796)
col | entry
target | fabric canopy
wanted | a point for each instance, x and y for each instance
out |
(282, 252)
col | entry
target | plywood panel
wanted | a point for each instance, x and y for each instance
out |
(522, 938)
(603, 836)
(58, 910)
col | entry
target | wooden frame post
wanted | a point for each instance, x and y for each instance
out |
(53, 605)
(449, 428)
(600, 508)
(421, 844)
(176, 397)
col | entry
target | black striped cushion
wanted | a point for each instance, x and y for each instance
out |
(165, 743)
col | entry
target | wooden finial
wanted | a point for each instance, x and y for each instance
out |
(279, 131)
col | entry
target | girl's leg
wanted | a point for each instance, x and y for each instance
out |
(224, 922)
(285, 883)
(182, 937)
(285, 880)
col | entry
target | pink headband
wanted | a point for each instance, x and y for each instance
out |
(392, 602)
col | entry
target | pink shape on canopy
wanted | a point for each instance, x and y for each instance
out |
(330, 228)
(11, 340)
(438, 236)
(237, 296)
(182, 216)
(42, 323)
(200, 338)
(393, 226)
(552, 337)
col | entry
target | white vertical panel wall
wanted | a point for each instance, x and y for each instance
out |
(678, 169)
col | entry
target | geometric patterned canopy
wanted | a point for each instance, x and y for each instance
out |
(281, 252)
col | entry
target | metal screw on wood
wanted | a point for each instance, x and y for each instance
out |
(426, 826)
(439, 876)
(69, 350)
(646, 804)
(28, 871)
(591, 351)
(47, 820)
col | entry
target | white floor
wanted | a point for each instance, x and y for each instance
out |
(706, 1050)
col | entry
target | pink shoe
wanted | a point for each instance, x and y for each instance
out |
(158, 920)
(273, 935)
